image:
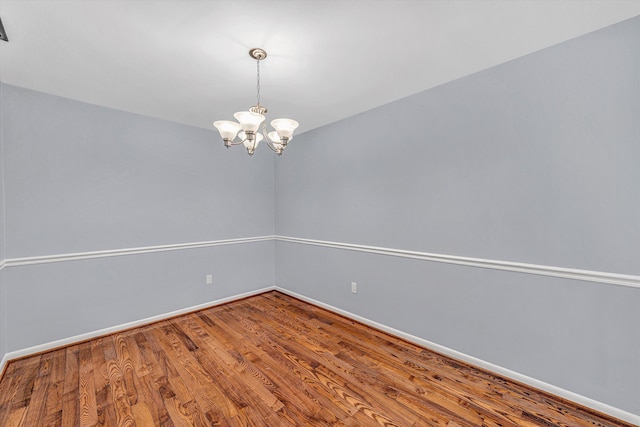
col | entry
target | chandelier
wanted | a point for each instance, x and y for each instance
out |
(248, 130)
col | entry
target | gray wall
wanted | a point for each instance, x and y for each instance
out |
(3, 314)
(532, 161)
(3, 332)
(80, 178)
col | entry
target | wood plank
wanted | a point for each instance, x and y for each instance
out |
(104, 407)
(144, 413)
(185, 379)
(122, 392)
(268, 360)
(70, 408)
(54, 395)
(38, 399)
(86, 388)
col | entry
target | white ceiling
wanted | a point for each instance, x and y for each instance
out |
(187, 60)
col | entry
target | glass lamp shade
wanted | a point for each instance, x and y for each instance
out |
(284, 127)
(227, 129)
(274, 137)
(251, 145)
(250, 122)
(275, 140)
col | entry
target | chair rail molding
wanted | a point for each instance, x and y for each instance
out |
(543, 270)
(15, 262)
(517, 267)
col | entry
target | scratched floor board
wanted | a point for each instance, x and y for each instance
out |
(267, 360)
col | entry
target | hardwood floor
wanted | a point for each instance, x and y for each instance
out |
(268, 360)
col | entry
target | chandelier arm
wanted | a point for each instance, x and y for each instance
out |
(266, 138)
(271, 147)
(235, 143)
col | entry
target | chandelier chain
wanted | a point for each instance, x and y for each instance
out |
(258, 84)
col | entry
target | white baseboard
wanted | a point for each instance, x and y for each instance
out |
(540, 385)
(3, 363)
(122, 327)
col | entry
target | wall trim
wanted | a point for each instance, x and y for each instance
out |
(532, 382)
(3, 364)
(40, 348)
(517, 267)
(15, 262)
(3, 309)
(542, 270)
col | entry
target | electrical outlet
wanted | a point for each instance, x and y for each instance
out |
(354, 288)
(209, 279)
